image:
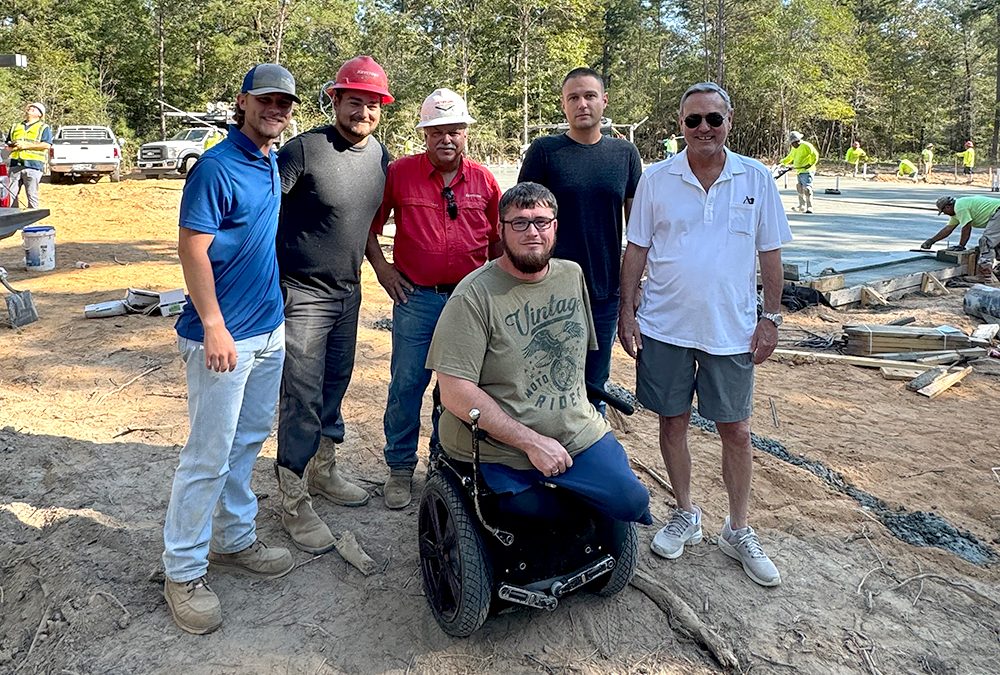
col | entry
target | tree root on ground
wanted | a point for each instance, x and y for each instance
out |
(684, 620)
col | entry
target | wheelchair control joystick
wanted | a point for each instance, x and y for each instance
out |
(505, 538)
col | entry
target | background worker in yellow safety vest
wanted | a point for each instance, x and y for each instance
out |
(855, 156)
(802, 157)
(927, 160)
(670, 146)
(28, 142)
(968, 159)
(907, 169)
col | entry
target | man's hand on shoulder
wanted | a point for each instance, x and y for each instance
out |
(394, 283)
(548, 456)
(764, 340)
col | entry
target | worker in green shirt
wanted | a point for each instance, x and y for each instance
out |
(976, 211)
(802, 157)
(855, 156)
(968, 159)
(927, 159)
(907, 169)
(670, 146)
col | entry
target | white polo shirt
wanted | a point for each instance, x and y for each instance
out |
(701, 286)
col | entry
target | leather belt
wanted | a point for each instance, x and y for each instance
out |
(438, 288)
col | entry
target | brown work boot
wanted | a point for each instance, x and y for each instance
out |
(193, 605)
(308, 531)
(257, 560)
(323, 478)
(397, 489)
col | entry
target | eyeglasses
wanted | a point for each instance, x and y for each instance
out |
(521, 224)
(449, 196)
(714, 119)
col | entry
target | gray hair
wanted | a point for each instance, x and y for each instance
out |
(706, 88)
(528, 195)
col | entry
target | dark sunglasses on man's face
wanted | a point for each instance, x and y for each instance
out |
(714, 119)
(449, 196)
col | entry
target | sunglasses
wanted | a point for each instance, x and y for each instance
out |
(522, 224)
(714, 119)
(449, 196)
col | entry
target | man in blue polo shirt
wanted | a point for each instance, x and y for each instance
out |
(231, 337)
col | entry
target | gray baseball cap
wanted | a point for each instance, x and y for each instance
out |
(269, 78)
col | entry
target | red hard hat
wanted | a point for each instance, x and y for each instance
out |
(968, 144)
(364, 74)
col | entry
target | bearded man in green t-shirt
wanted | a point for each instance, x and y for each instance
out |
(512, 342)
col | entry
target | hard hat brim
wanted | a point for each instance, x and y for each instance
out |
(441, 121)
(387, 98)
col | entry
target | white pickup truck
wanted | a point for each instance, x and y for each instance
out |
(178, 153)
(86, 152)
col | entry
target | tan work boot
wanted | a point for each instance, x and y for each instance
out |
(322, 478)
(256, 560)
(193, 605)
(397, 489)
(308, 531)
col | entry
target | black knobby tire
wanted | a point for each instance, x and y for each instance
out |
(188, 164)
(625, 564)
(458, 579)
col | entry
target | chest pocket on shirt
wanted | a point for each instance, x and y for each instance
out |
(742, 219)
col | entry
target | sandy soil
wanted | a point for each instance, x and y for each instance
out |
(86, 464)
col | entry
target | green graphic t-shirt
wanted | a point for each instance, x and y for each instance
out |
(525, 345)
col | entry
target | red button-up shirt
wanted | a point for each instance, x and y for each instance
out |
(430, 248)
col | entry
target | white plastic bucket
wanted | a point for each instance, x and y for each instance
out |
(39, 248)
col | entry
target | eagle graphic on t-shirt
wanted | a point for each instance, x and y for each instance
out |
(556, 352)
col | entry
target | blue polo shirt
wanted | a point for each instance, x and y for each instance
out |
(234, 192)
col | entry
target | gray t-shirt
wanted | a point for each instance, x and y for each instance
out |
(524, 344)
(330, 193)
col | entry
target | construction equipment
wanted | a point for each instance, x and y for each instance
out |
(20, 305)
(834, 190)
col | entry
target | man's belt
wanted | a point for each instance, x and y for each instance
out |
(438, 288)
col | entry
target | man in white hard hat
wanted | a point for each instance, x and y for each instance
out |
(332, 179)
(803, 158)
(446, 210)
(28, 142)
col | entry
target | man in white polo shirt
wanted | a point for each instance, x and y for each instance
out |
(700, 221)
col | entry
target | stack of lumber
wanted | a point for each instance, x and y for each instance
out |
(876, 339)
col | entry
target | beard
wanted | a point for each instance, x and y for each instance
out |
(529, 263)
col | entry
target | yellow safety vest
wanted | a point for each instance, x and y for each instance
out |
(31, 133)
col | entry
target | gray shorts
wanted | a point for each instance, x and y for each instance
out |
(667, 377)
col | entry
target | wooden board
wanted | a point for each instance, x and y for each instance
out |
(862, 361)
(986, 331)
(903, 284)
(833, 282)
(925, 378)
(900, 373)
(942, 384)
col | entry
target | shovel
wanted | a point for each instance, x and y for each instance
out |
(20, 306)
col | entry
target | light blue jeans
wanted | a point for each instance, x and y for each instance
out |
(231, 415)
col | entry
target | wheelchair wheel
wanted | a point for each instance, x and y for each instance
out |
(626, 561)
(458, 579)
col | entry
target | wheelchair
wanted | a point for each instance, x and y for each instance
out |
(481, 553)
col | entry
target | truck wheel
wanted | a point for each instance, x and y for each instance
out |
(188, 164)
(56, 178)
(116, 175)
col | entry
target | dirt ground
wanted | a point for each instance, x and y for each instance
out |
(93, 414)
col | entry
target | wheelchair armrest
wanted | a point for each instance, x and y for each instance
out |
(618, 404)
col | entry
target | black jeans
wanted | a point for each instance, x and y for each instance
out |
(320, 339)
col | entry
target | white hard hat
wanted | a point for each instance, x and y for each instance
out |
(39, 106)
(794, 136)
(442, 107)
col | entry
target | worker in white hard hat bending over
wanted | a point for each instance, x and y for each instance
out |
(803, 158)
(28, 142)
(447, 212)
(332, 179)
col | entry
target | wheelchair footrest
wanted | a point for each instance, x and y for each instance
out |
(602, 566)
(523, 596)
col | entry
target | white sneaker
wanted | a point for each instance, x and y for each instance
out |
(683, 528)
(744, 546)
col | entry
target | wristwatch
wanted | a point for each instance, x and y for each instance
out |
(774, 318)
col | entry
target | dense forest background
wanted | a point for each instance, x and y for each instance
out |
(894, 74)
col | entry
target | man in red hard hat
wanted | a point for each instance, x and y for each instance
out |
(332, 178)
(447, 215)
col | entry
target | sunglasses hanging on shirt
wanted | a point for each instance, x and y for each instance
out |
(449, 196)
(714, 119)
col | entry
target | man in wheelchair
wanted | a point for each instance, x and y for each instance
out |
(543, 471)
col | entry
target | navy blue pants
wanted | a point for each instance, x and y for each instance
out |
(600, 475)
